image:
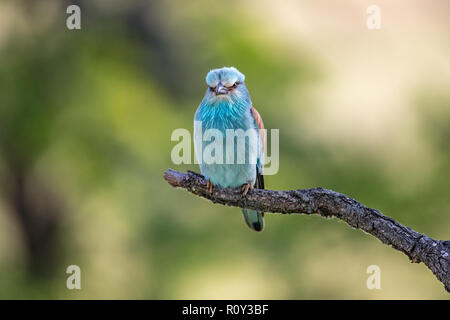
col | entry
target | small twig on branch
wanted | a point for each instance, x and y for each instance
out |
(418, 247)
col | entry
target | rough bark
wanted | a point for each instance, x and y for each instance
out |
(327, 203)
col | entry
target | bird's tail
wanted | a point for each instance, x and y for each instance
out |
(254, 219)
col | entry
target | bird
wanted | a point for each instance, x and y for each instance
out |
(227, 106)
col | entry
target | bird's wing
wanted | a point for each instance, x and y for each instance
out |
(260, 124)
(262, 136)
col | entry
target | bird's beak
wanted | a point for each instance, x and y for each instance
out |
(221, 89)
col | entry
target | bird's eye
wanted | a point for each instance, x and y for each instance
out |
(212, 88)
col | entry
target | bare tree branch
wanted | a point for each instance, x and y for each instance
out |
(418, 247)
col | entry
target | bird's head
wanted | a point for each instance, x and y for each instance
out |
(225, 84)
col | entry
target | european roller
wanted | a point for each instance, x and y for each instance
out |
(227, 119)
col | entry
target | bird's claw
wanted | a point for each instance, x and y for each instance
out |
(245, 188)
(209, 186)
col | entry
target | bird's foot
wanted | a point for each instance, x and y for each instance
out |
(209, 186)
(245, 188)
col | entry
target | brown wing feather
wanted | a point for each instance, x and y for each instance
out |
(260, 124)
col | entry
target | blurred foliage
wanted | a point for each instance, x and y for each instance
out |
(85, 124)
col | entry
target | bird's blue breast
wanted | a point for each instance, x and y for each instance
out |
(222, 116)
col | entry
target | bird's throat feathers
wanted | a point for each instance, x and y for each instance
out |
(227, 108)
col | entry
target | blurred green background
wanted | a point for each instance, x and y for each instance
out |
(86, 118)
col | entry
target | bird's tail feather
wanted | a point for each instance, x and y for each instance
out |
(254, 219)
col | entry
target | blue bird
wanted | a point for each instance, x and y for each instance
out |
(227, 106)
